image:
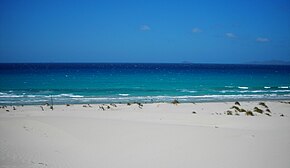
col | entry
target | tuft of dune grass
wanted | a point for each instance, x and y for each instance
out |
(237, 103)
(229, 112)
(249, 113)
(236, 108)
(263, 104)
(256, 109)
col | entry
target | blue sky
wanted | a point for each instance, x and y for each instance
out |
(204, 31)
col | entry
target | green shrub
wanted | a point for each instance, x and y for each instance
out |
(237, 103)
(229, 112)
(256, 109)
(249, 113)
(263, 104)
(139, 104)
(236, 108)
(243, 110)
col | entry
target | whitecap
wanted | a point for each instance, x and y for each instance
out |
(229, 91)
(243, 87)
(31, 96)
(258, 91)
(64, 95)
(283, 87)
(267, 87)
(10, 96)
(188, 91)
(76, 96)
(280, 91)
(71, 95)
(123, 94)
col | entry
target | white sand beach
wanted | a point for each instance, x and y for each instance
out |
(158, 135)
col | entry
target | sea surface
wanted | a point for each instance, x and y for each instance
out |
(121, 83)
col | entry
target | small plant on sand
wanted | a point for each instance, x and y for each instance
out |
(236, 108)
(175, 102)
(263, 104)
(101, 107)
(129, 104)
(285, 102)
(268, 114)
(193, 112)
(242, 110)
(229, 112)
(114, 105)
(249, 113)
(268, 110)
(237, 103)
(256, 109)
(139, 104)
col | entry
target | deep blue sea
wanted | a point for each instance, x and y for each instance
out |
(106, 83)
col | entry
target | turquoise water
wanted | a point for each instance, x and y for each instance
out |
(105, 83)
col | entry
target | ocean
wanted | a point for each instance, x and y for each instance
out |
(121, 83)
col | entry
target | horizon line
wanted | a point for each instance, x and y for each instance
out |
(246, 63)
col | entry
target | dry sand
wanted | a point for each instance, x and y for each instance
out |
(159, 135)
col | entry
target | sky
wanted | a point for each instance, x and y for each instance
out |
(151, 31)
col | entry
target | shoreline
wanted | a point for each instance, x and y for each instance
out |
(147, 102)
(154, 102)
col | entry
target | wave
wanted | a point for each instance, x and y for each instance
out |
(177, 97)
(10, 96)
(265, 87)
(280, 91)
(123, 94)
(185, 98)
(254, 91)
(64, 95)
(187, 91)
(161, 98)
(283, 87)
(31, 96)
(20, 97)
